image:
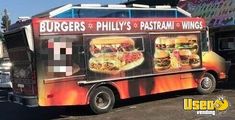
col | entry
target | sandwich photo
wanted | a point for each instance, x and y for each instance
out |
(109, 65)
(114, 54)
(187, 42)
(194, 61)
(193, 43)
(160, 42)
(170, 43)
(131, 60)
(162, 60)
(184, 55)
(111, 45)
(181, 42)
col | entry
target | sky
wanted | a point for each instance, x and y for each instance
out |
(17, 8)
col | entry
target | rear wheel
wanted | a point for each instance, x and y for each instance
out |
(101, 100)
(207, 84)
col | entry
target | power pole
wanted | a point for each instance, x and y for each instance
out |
(6, 22)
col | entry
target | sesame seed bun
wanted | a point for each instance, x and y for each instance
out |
(169, 41)
(160, 40)
(112, 40)
(192, 37)
(181, 39)
(161, 54)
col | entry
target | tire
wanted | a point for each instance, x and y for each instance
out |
(101, 100)
(207, 84)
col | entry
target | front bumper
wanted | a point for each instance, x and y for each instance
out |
(30, 101)
(6, 85)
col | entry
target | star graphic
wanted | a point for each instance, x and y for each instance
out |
(135, 25)
(178, 25)
(90, 25)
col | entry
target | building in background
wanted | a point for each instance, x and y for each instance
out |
(217, 12)
(220, 17)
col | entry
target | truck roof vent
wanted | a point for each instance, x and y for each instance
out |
(23, 18)
(138, 6)
(89, 5)
(163, 6)
(115, 6)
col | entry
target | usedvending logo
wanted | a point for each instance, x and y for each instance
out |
(206, 107)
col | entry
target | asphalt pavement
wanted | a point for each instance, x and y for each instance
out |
(167, 106)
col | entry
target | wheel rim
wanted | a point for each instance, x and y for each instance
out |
(102, 100)
(206, 83)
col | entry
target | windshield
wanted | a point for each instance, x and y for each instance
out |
(205, 42)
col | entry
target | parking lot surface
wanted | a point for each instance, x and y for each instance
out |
(167, 106)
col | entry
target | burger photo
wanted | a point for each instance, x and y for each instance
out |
(193, 43)
(181, 42)
(170, 44)
(194, 61)
(162, 60)
(160, 42)
(184, 55)
(114, 54)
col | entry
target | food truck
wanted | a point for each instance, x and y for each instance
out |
(66, 57)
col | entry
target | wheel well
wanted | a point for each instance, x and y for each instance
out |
(214, 74)
(114, 89)
(110, 86)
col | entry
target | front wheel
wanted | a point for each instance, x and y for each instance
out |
(207, 84)
(101, 100)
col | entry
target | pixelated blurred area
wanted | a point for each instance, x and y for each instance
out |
(61, 63)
